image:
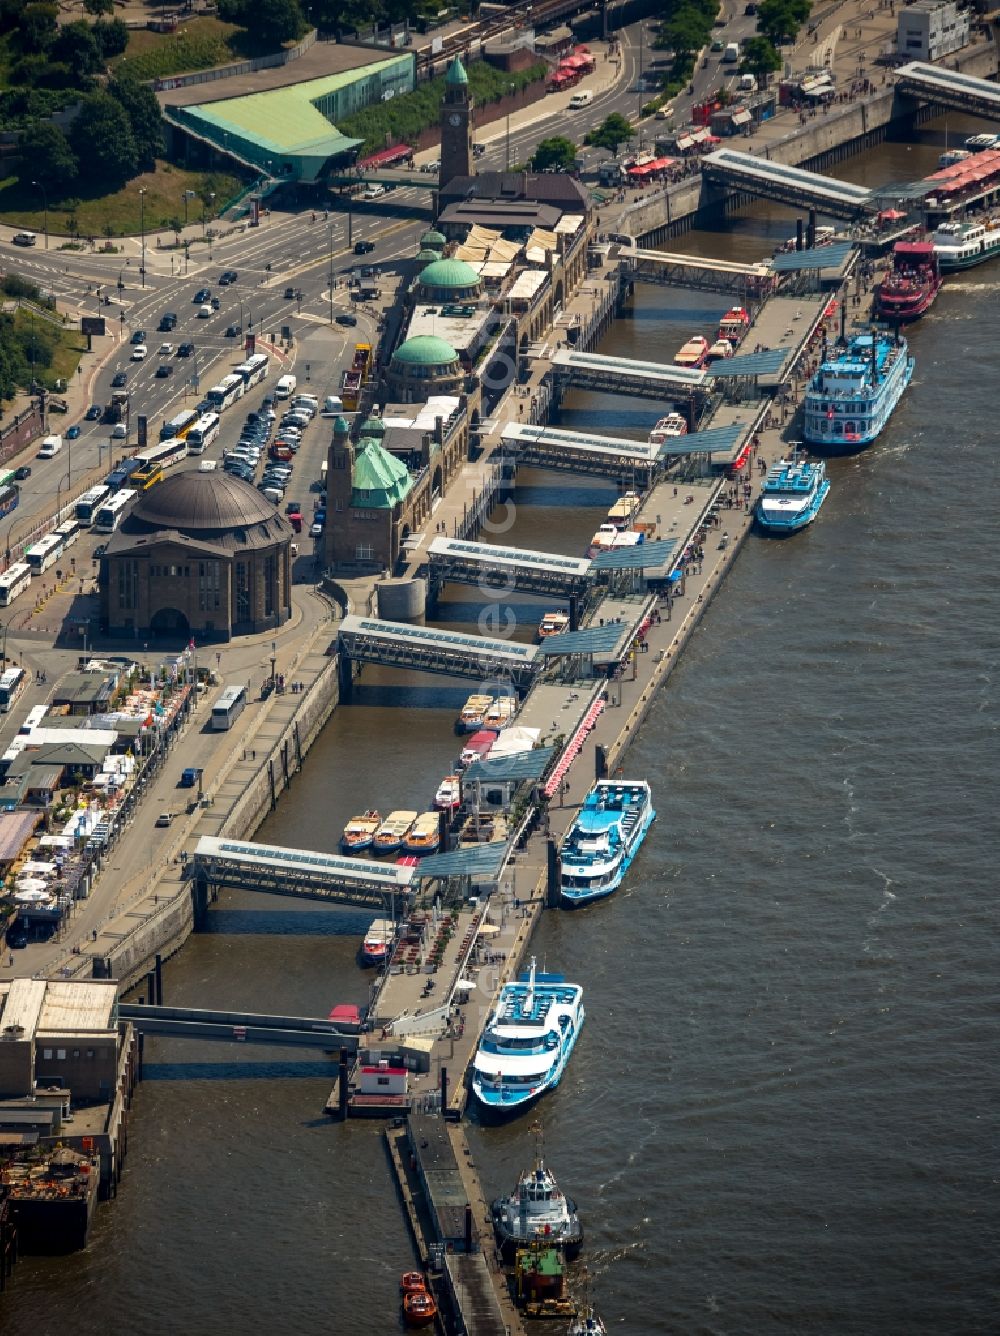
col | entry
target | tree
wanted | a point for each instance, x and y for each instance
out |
(145, 119)
(37, 28)
(613, 131)
(76, 47)
(686, 32)
(47, 157)
(99, 6)
(272, 22)
(102, 137)
(556, 153)
(759, 58)
(111, 37)
(780, 20)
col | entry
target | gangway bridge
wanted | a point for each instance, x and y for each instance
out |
(626, 375)
(427, 650)
(749, 281)
(241, 1027)
(578, 451)
(950, 88)
(508, 568)
(794, 186)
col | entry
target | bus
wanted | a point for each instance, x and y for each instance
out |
(165, 454)
(43, 554)
(203, 433)
(178, 427)
(119, 476)
(33, 719)
(12, 683)
(86, 506)
(112, 512)
(69, 531)
(9, 497)
(228, 392)
(228, 708)
(14, 581)
(254, 369)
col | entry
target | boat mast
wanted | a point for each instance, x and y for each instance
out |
(531, 987)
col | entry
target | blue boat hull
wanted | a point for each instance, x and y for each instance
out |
(801, 521)
(837, 446)
(498, 1105)
(576, 899)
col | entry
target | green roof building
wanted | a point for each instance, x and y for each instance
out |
(434, 240)
(422, 366)
(456, 75)
(449, 280)
(372, 427)
(379, 481)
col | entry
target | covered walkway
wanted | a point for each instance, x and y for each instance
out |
(581, 452)
(426, 650)
(788, 185)
(949, 88)
(750, 281)
(454, 560)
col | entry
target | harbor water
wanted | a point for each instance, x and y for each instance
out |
(781, 1114)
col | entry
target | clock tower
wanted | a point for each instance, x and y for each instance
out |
(456, 125)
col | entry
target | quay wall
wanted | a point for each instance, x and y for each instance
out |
(830, 137)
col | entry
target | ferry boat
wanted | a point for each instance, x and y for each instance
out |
(553, 624)
(964, 245)
(500, 713)
(477, 748)
(536, 1209)
(851, 397)
(377, 941)
(449, 794)
(720, 349)
(609, 537)
(390, 834)
(911, 286)
(624, 510)
(734, 325)
(527, 1041)
(424, 836)
(674, 424)
(603, 838)
(472, 714)
(693, 353)
(793, 492)
(360, 831)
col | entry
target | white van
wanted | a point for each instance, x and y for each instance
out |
(24, 238)
(748, 83)
(309, 399)
(285, 387)
(208, 466)
(731, 53)
(578, 100)
(332, 404)
(49, 447)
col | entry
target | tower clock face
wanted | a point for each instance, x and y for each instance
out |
(455, 119)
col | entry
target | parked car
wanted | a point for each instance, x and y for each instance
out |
(315, 529)
(94, 413)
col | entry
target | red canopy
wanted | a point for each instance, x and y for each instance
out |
(386, 156)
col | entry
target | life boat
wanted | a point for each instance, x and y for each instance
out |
(413, 1282)
(419, 1309)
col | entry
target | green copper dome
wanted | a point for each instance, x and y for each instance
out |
(425, 350)
(456, 75)
(373, 426)
(449, 274)
(379, 480)
(433, 238)
(341, 426)
(427, 256)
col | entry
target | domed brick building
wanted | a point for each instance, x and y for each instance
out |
(425, 364)
(200, 555)
(449, 281)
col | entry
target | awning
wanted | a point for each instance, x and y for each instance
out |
(685, 142)
(741, 117)
(386, 156)
(700, 136)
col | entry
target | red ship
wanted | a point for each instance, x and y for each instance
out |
(911, 286)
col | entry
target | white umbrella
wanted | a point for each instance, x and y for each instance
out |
(30, 897)
(465, 985)
(44, 869)
(30, 884)
(489, 930)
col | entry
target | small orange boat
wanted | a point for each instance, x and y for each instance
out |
(413, 1282)
(419, 1309)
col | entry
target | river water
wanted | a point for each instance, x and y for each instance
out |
(781, 1115)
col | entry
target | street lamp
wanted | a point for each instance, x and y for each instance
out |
(274, 656)
(142, 231)
(211, 200)
(510, 91)
(62, 480)
(45, 205)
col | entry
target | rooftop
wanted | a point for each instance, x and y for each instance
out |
(449, 274)
(425, 350)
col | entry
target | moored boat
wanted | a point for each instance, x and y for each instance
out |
(390, 834)
(449, 794)
(413, 1282)
(669, 426)
(624, 510)
(793, 492)
(419, 1308)
(603, 839)
(377, 941)
(360, 831)
(587, 1323)
(720, 349)
(477, 748)
(909, 289)
(964, 245)
(527, 1041)
(693, 353)
(473, 712)
(734, 325)
(851, 397)
(608, 537)
(424, 836)
(951, 157)
(980, 143)
(553, 624)
(536, 1210)
(500, 713)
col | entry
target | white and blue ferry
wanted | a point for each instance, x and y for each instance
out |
(852, 395)
(527, 1041)
(793, 492)
(603, 839)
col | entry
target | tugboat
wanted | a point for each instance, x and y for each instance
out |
(794, 490)
(909, 290)
(851, 397)
(540, 1280)
(536, 1209)
(419, 1308)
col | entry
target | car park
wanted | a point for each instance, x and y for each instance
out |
(21, 473)
(204, 312)
(202, 295)
(139, 353)
(185, 350)
(118, 380)
(73, 432)
(346, 318)
(94, 413)
(164, 370)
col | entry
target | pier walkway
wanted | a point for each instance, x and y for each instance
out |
(794, 186)
(239, 1027)
(950, 88)
(506, 568)
(579, 452)
(746, 281)
(403, 645)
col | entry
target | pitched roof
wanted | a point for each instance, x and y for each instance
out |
(379, 479)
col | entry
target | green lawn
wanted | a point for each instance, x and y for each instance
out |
(198, 44)
(20, 204)
(69, 348)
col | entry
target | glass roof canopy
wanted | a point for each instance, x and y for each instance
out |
(523, 765)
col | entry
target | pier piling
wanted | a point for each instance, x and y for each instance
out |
(342, 1085)
(158, 972)
(552, 875)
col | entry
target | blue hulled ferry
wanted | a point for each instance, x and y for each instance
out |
(852, 395)
(793, 492)
(603, 839)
